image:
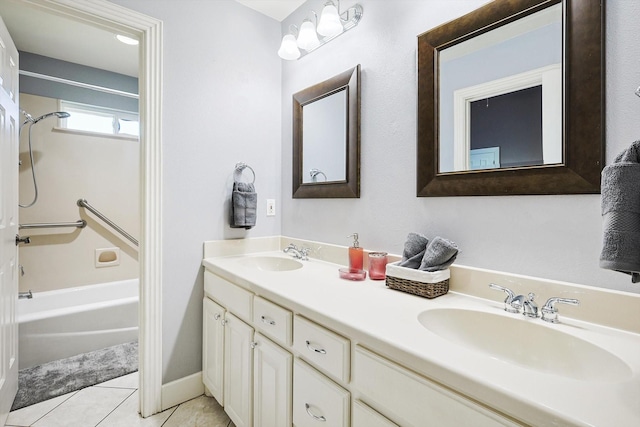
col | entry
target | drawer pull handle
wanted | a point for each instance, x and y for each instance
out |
(216, 316)
(312, 415)
(223, 322)
(317, 350)
(268, 321)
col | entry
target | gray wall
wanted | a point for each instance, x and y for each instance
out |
(224, 104)
(554, 237)
(221, 105)
(77, 73)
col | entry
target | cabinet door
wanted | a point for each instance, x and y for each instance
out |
(238, 371)
(272, 379)
(213, 348)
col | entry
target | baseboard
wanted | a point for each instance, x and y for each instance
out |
(181, 390)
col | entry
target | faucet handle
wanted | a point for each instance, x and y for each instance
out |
(305, 252)
(549, 310)
(508, 300)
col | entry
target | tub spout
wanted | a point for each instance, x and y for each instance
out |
(25, 295)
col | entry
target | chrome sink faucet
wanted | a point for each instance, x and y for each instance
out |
(549, 310)
(297, 253)
(526, 304)
(517, 303)
(508, 300)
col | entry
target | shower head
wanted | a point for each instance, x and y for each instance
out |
(28, 117)
(58, 114)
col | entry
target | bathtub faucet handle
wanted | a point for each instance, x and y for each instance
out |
(25, 240)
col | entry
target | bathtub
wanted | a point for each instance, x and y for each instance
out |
(58, 324)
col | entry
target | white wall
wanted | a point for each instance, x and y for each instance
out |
(554, 237)
(221, 105)
(70, 166)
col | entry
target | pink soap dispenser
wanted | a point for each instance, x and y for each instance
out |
(356, 255)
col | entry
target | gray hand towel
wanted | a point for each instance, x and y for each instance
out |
(244, 204)
(414, 249)
(621, 213)
(439, 255)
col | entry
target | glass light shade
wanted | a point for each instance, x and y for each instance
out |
(307, 38)
(330, 24)
(127, 40)
(289, 48)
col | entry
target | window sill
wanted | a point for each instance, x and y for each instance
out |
(95, 134)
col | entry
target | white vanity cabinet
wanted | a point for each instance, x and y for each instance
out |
(412, 400)
(248, 374)
(364, 416)
(213, 348)
(227, 346)
(323, 348)
(318, 401)
(238, 371)
(272, 379)
(270, 367)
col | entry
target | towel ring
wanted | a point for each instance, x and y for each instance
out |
(241, 166)
(314, 174)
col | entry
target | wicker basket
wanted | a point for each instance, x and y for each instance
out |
(417, 282)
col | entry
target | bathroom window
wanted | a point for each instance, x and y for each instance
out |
(94, 119)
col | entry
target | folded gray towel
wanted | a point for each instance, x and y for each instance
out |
(439, 255)
(621, 213)
(414, 248)
(244, 205)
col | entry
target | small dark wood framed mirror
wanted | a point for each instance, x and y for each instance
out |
(326, 138)
(446, 110)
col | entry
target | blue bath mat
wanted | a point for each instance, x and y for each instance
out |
(52, 379)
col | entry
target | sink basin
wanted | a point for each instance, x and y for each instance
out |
(525, 343)
(272, 263)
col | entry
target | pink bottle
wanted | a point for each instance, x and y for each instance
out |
(356, 255)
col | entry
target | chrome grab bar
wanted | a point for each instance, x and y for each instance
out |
(84, 204)
(81, 223)
(25, 295)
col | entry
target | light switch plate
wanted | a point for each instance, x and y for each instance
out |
(271, 207)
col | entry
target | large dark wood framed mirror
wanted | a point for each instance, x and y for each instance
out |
(326, 138)
(473, 82)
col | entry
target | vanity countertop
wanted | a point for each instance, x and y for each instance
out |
(386, 321)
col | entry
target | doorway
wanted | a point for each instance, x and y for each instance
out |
(117, 19)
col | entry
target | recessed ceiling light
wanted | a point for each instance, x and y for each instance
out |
(127, 40)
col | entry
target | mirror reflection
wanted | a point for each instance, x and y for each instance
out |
(326, 138)
(500, 96)
(324, 141)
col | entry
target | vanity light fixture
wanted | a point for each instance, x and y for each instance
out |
(331, 24)
(308, 38)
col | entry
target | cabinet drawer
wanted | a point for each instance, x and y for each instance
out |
(364, 416)
(273, 320)
(422, 403)
(326, 350)
(232, 297)
(317, 401)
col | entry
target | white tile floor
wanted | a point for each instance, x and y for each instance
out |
(115, 404)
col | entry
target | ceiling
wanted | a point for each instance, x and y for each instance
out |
(276, 9)
(43, 33)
